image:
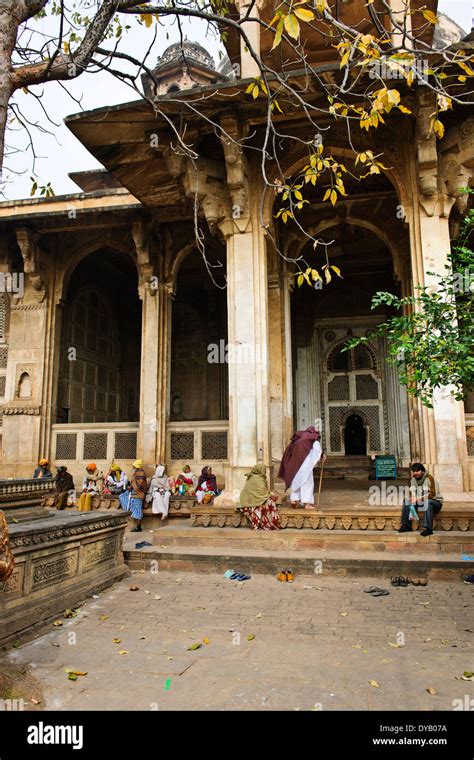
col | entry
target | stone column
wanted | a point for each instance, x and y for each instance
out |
(443, 434)
(249, 67)
(247, 299)
(279, 348)
(448, 414)
(155, 298)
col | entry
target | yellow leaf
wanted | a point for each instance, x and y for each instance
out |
(438, 128)
(205, 640)
(374, 683)
(304, 14)
(116, 641)
(465, 68)
(292, 26)
(66, 47)
(122, 651)
(430, 16)
(321, 5)
(328, 277)
(327, 195)
(432, 690)
(403, 109)
(336, 270)
(278, 33)
(300, 280)
(147, 19)
(250, 637)
(344, 59)
(333, 197)
(393, 96)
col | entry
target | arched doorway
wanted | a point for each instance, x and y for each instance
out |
(355, 436)
(99, 373)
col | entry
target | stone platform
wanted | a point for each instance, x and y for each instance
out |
(59, 561)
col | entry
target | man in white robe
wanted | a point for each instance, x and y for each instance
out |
(296, 468)
(302, 485)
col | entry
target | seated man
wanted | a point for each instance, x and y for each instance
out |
(64, 487)
(424, 498)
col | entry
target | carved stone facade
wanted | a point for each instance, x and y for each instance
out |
(388, 234)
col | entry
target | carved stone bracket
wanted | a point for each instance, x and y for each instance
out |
(204, 182)
(235, 165)
(142, 233)
(30, 251)
(457, 168)
(427, 151)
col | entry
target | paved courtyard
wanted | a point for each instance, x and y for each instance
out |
(319, 643)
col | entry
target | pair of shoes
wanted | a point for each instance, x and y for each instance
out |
(399, 580)
(240, 577)
(426, 532)
(469, 579)
(376, 591)
(228, 574)
(405, 529)
(141, 544)
(418, 581)
(136, 530)
(286, 576)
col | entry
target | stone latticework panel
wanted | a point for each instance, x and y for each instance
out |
(214, 445)
(66, 446)
(95, 446)
(182, 445)
(338, 388)
(125, 446)
(366, 387)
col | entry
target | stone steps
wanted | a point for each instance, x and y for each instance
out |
(184, 549)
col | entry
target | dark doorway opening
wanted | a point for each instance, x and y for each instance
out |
(355, 436)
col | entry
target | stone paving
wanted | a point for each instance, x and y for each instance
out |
(317, 644)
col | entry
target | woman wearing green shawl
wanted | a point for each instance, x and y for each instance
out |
(256, 501)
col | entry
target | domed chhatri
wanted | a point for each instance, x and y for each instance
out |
(182, 66)
(180, 52)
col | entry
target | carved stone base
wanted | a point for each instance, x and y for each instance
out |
(59, 561)
(450, 519)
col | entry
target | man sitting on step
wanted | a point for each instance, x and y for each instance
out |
(424, 497)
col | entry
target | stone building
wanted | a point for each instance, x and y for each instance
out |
(116, 345)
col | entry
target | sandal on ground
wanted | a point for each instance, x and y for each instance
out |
(403, 581)
(415, 581)
(380, 592)
(289, 575)
(395, 581)
(423, 582)
(282, 576)
(373, 589)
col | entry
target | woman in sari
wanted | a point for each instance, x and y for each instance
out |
(207, 486)
(159, 492)
(256, 501)
(186, 482)
(132, 499)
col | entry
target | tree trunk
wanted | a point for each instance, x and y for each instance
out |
(9, 20)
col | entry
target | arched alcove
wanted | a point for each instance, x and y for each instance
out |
(199, 374)
(99, 370)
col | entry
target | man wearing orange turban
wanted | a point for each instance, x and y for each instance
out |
(92, 485)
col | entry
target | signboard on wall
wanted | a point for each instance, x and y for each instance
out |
(385, 468)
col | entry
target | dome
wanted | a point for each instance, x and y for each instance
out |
(189, 51)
